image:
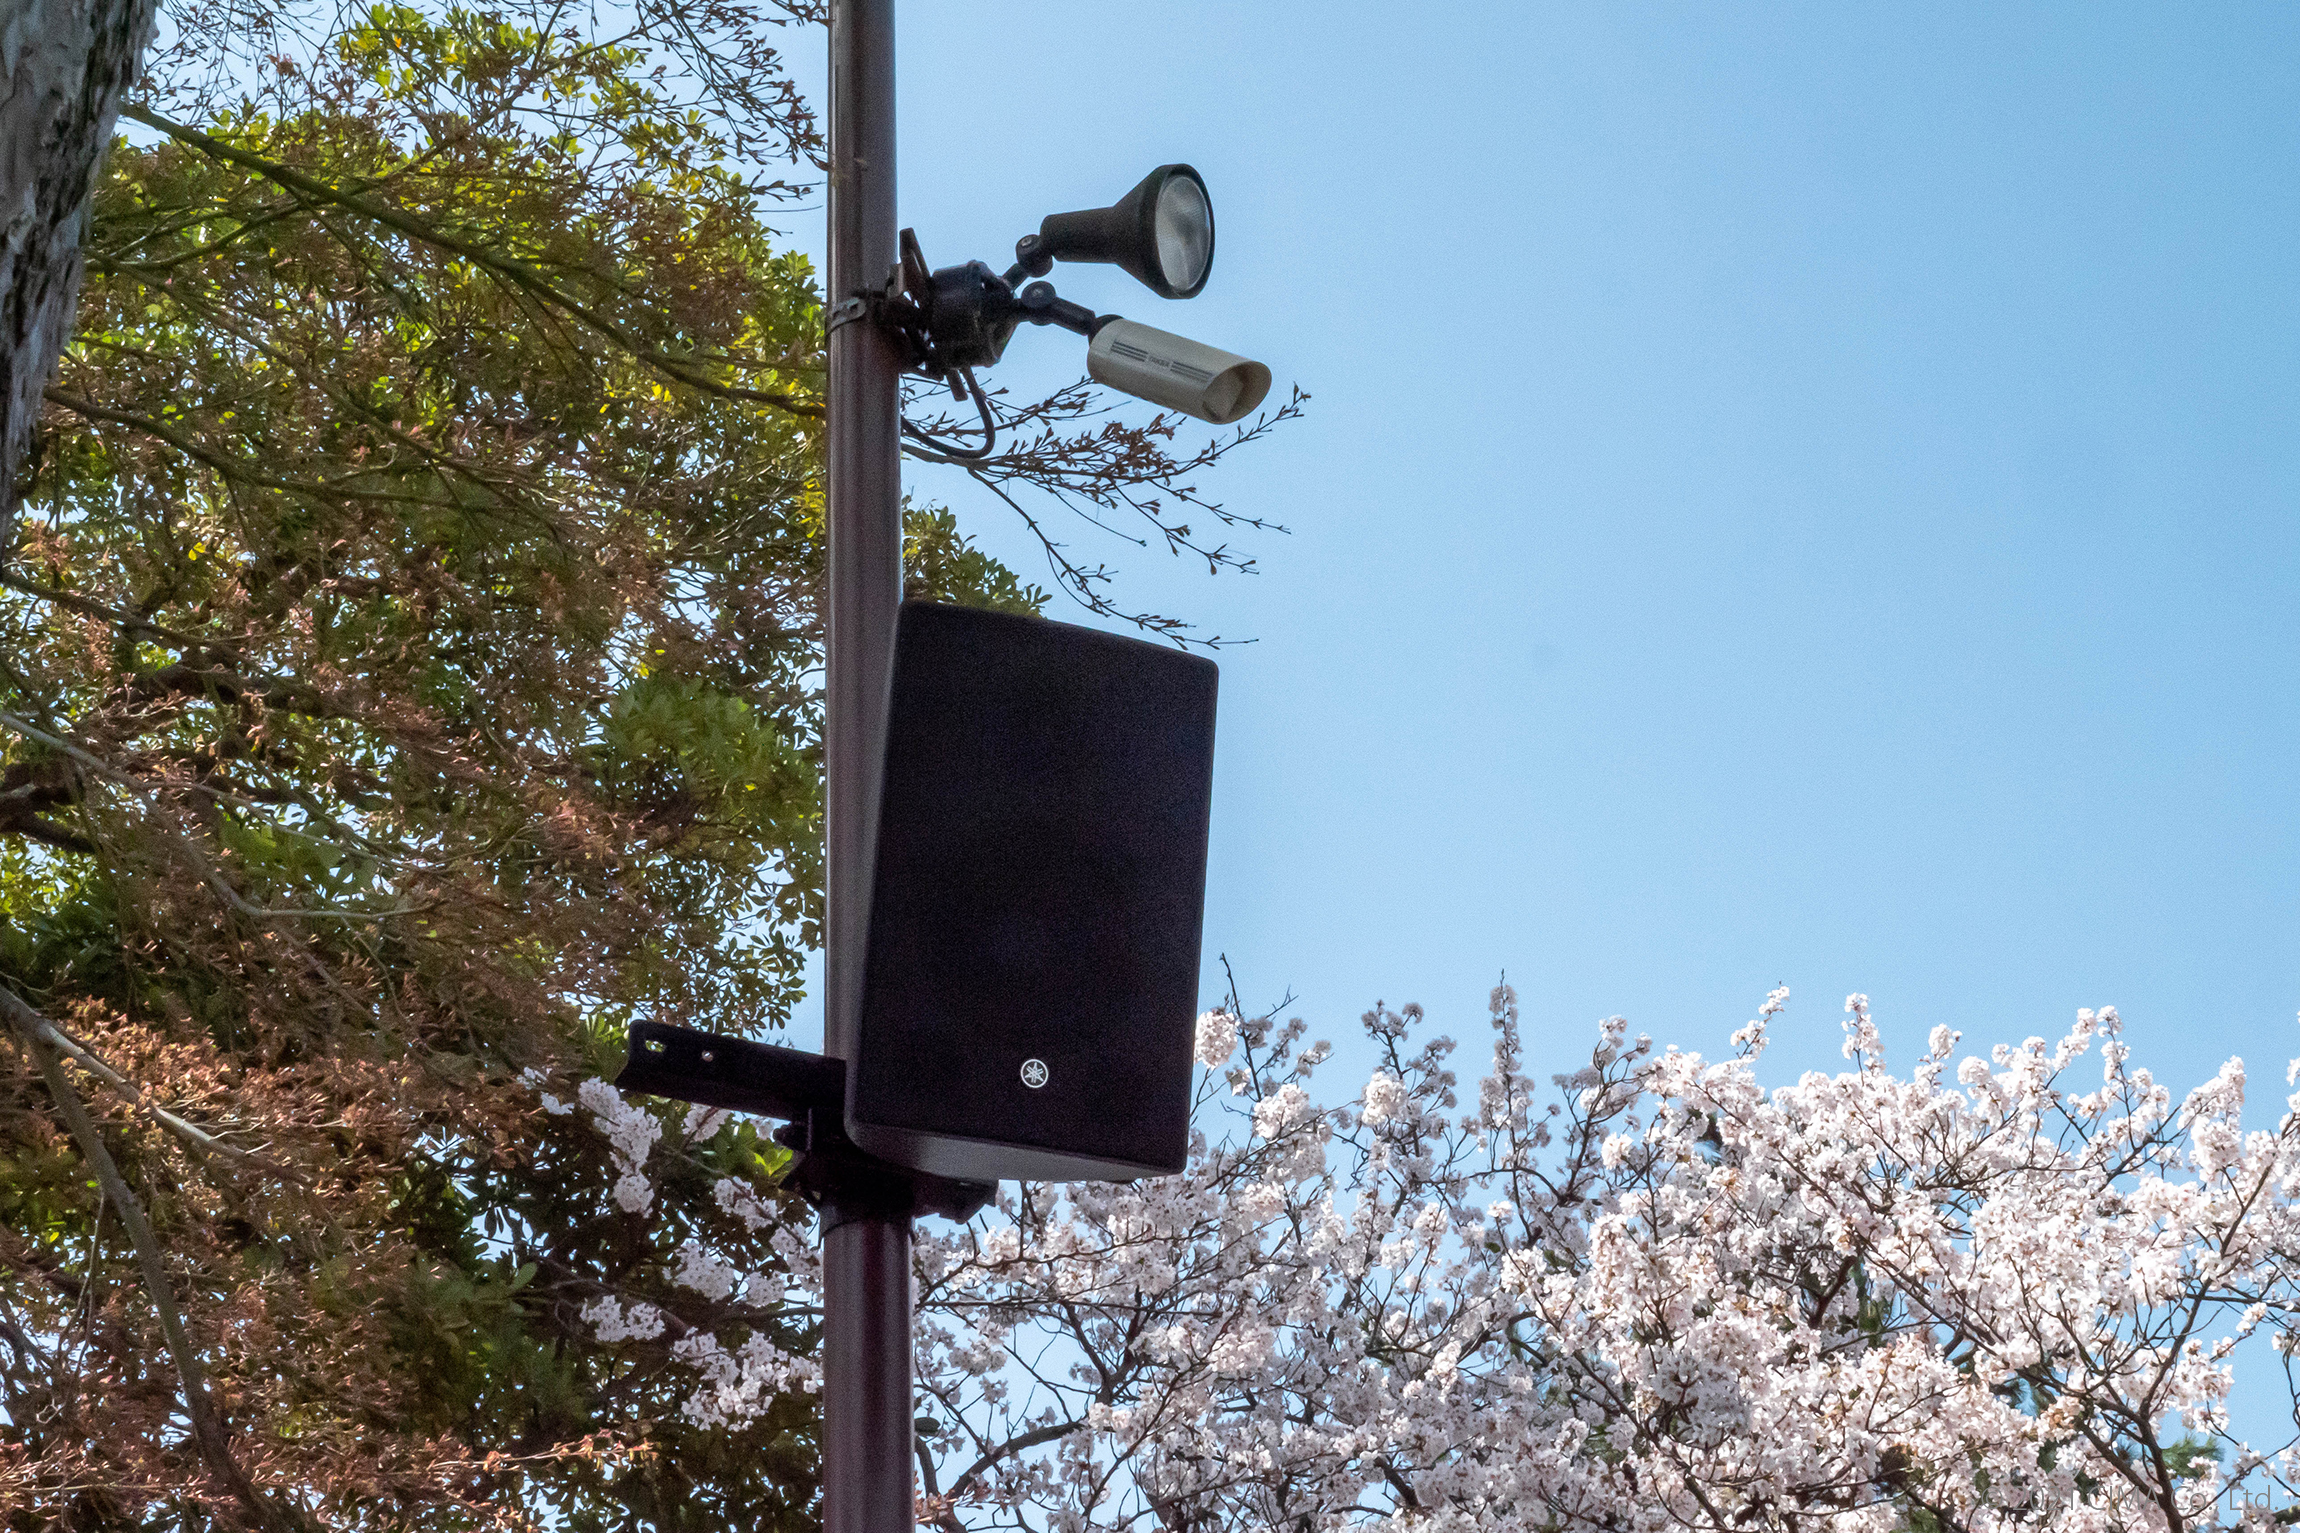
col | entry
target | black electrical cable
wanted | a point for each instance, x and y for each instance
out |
(952, 449)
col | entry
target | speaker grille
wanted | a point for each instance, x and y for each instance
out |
(1031, 980)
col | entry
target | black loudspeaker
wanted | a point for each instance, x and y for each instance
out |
(1031, 981)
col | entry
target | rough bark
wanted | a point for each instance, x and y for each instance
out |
(65, 66)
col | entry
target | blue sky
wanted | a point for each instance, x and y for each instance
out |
(1797, 495)
(1793, 495)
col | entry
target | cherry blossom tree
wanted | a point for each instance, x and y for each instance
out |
(1983, 1295)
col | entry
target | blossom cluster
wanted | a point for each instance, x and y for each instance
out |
(1981, 1296)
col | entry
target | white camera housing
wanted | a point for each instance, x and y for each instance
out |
(1176, 372)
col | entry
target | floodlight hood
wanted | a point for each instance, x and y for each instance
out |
(1161, 233)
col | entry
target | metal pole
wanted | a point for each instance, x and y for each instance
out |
(866, 1375)
(866, 1244)
(863, 475)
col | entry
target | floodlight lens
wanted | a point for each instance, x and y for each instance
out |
(1185, 230)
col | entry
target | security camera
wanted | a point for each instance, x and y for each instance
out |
(1175, 372)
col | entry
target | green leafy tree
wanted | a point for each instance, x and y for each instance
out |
(407, 673)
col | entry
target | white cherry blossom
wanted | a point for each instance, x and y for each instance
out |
(1657, 1296)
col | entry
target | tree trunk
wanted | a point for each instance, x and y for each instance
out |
(65, 66)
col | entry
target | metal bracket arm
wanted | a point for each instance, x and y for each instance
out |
(734, 1073)
(809, 1092)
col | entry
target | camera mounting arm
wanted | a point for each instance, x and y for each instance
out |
(961, 317)
(1042, 306)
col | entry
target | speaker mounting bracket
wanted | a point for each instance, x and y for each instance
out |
(808, 1092)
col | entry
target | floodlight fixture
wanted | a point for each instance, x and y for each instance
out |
(1161, 234)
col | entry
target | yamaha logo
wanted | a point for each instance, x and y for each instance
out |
(1034, 1073)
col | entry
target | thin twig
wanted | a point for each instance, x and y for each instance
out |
(97, 609)
(209, 873)
(517, 274)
